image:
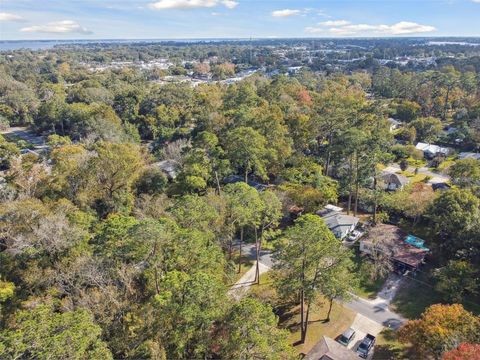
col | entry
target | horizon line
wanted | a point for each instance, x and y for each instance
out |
(256, 38)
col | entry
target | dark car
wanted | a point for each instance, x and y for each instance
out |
(366, 345)
(346, 337)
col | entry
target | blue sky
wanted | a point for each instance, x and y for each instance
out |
(167, 19)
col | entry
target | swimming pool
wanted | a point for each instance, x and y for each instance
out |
(417, 242)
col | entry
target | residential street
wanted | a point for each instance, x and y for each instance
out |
(435, 177)
(24, 133)
(376, 310)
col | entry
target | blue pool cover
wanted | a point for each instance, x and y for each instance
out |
(417, 242)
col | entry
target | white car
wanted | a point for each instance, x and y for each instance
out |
(355, 235)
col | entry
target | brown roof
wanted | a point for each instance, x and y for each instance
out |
(390, 239)
(329, 349)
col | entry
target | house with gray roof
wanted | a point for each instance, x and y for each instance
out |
(339, 224)
(469, 155)
(431, 150)
(394, 181)
(329, 349)
(394, 124)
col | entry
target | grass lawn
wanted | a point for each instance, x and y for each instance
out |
(414, 178)
(416, 163)
(388, 347)
(418, 293)
(415, 296)
(340, 319)
(444, 165)
(366, 288)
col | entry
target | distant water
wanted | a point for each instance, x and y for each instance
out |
(452, 43)
(9, 45)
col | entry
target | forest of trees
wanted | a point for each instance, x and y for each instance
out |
(103, 254)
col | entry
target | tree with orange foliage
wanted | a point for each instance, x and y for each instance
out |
(463, 352)
(441, 328)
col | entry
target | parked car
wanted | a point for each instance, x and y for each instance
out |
(346, 337)
(355, 235)
(365, 346)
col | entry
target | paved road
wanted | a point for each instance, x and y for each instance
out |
(24, 133)
(376, 309)
(435, 177)
(378, 312)
(265, 255)
(240, 288)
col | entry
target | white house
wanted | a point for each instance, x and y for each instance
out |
(339, 224)
(431, 150)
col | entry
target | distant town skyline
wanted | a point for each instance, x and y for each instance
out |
(176, 19)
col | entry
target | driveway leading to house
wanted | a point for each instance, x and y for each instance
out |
(250, 250)
(378, 308)
(241, 287)
(363, 326)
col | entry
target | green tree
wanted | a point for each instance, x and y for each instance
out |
(427, 129)
(456, 280)
(251, 333)
(308, 256)
(7, 151)
(244, 208)
(7, 289)
(247, 152)
(269, 215)
(188, 307)
(465, 173)
(112, 174)
(42, 333)
(455, 219)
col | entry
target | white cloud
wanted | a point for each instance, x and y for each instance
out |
(345, 28)
(286, 13)
(191, 4)
(476, 1)
(230, 4)
(58, 27)
(334, 23)
(10, 17)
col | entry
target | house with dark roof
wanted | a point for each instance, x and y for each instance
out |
(440, 186)
(407, 252)
(394, 181)
(329, 349)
